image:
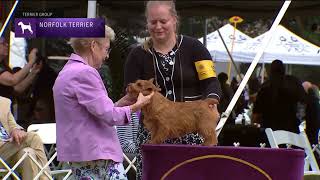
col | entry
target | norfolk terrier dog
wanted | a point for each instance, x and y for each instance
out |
(166, 119)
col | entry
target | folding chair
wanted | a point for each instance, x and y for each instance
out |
(6, 170)
(278, 137)
(130, 163)
(47, 133)
(10, 171)
(127, 135)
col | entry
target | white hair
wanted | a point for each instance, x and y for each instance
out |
(82, 44)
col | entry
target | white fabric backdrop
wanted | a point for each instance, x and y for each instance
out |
(215, 45)
(285, 46)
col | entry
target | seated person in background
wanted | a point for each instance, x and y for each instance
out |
(14, 142)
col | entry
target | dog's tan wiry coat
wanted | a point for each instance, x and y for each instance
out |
(166, 119)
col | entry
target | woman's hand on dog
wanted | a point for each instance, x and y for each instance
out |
(126, 100)
(141, 101)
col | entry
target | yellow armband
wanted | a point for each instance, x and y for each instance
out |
(205, 69)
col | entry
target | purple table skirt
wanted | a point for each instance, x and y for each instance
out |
(185, 162)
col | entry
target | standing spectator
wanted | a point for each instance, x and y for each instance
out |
(277, 100)
(312, 111)
(11, 83)
(254, 87)
(242, 102)
(180, 65)
(14, 84)
(226, 96)
(86, 116)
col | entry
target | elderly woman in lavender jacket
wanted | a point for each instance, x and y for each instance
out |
(86, 116)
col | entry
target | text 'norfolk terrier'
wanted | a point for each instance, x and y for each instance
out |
(166, 119)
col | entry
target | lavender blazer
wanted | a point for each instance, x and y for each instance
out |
(85, 115)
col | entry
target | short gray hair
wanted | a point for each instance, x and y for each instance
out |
(82, 44)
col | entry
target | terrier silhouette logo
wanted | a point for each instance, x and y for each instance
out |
(25, 27)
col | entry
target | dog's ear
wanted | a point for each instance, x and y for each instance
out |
(151, 80)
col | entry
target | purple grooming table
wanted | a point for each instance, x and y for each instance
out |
(186, 162)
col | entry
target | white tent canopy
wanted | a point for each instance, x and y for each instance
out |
(284, 45)
(215, 44)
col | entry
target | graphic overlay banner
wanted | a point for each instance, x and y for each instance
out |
(47, 13)
(59, 27)
(171, 162)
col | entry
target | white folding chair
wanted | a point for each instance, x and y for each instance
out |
(278, 137)
(47, 133)
(130, 163)
(10, 171)
(128, 133)
(6, 170)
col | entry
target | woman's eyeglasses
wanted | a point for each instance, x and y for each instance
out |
(108, 50)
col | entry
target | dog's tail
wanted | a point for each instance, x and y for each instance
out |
(211, 101)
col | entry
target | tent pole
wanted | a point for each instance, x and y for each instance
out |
(225, 46)
(254, 63)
